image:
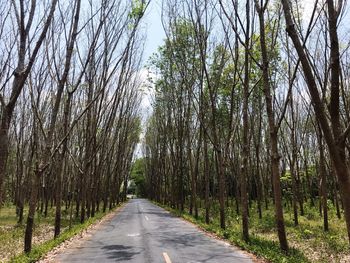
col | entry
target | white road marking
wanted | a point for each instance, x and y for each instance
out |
(166, 257)
(147, 218)
(133, 235)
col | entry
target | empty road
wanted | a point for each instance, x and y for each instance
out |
(142, 232)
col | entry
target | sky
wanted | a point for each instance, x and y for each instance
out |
(155, 36)
(155, 32)
(154, 28)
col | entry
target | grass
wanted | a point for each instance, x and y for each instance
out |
(308, 241)
(12, 235)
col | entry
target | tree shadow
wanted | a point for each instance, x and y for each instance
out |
(120, 252)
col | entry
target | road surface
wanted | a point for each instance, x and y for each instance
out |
(142, 232)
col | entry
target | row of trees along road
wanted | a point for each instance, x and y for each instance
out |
(245, 109)
(69, 104)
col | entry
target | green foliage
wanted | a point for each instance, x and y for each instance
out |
(138, 7)
(307, 233)
(135, 129)
(176, 63)
(287, 177)
(138, 177)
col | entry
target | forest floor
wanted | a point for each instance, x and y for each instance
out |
(12, 234)
(308, 241)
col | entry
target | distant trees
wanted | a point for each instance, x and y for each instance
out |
(232, 125)
(70, 140)
(138, 177)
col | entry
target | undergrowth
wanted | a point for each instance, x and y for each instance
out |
(308, 242)
(40, 250)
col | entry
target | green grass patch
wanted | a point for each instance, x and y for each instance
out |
(308, 242)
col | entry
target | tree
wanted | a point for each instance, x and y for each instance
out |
(273, 129)
(22, 69)
(138, 177)
(334, 135)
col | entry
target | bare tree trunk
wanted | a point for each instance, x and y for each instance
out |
(3, 151)
(35, 182)
(60, 163)
(245, 152)
(333, 136)
(323, 177)
(206, 180)
(273, 130)
(21, 74)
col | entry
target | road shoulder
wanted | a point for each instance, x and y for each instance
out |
(75, 241)
(212, 235)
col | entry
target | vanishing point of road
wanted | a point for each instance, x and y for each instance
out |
(142, 232)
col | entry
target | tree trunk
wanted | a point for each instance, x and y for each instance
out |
(31, 213)
(331, 131)
(206, 179)
(58, 196)
(323, 183)
(245, 142)
(275, 158)
(3, 151)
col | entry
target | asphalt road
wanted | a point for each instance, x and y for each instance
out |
(144, 233)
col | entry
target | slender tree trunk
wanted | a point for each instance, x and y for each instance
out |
(273, 130)
(58, 196)
(331, 131)
(323, 183)
(3, 151)
(32, 205)
(244, 171)
(294, 192)
(206, 179)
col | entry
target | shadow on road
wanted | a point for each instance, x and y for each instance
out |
(158, 214)
(120, 252)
